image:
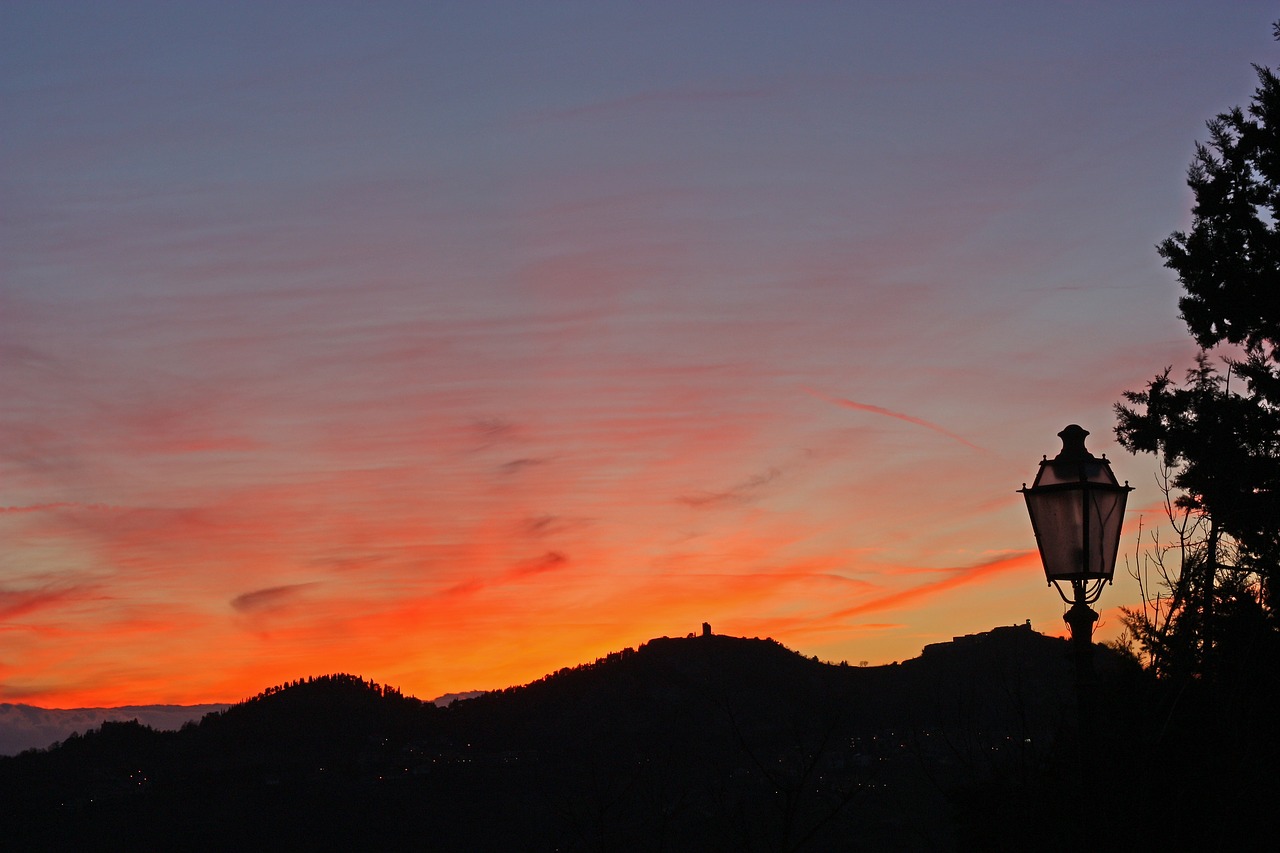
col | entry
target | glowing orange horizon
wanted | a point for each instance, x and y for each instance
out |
(453, 386)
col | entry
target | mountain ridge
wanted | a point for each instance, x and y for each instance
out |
(709, 742)
(24, 726)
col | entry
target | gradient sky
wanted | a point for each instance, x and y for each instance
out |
(453, 343)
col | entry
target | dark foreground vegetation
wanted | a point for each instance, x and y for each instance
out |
(706, 743)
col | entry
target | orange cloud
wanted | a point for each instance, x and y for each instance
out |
(955, 577)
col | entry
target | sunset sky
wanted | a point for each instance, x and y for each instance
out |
(449, 344)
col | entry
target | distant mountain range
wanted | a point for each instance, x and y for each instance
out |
(699, 743)
(28, 727)
(31, 727)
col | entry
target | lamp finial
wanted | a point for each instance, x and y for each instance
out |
(1073, 449)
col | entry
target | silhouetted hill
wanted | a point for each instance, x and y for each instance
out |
(701, 743)
(27, 726)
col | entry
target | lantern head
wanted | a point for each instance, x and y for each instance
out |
(1076, 508)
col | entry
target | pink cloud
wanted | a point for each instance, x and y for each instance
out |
(878, 410)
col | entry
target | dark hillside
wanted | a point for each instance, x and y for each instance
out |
(702, 743)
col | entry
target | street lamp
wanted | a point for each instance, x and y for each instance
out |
(1076, 508)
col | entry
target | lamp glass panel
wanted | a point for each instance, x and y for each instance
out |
(1092, 471)
(1058, 518)
(1105, 514)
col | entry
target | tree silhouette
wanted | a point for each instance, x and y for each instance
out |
(1218, 433)
(1207, 625)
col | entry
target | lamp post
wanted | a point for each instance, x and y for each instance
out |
(1076, 508)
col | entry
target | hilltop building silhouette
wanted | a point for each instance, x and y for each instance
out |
(969, 640)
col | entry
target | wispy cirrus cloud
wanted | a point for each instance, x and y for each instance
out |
(815, 620)
(17, 603)
(952, 579)
(739, 492)
(545, 563)
(889, 413)
(271, 598)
